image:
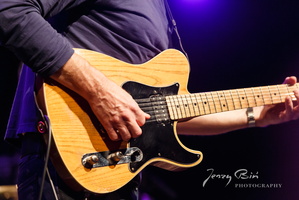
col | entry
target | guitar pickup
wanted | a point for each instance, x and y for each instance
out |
(108, 158)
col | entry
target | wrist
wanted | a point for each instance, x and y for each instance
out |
(250, 118)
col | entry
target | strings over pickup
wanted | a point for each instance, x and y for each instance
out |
(152, 100)
(155, 106)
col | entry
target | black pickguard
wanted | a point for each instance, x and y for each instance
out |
(158, 138)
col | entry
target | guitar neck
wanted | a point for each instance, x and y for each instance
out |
(192, 105)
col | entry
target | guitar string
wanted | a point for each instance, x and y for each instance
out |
(155, 108)
(271, 97)
(218, 106)
(268, 95)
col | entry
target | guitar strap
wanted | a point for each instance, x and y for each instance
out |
(174, 27)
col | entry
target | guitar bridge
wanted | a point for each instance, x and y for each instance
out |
(108, 158)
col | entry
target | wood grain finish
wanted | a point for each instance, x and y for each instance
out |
(75, 130)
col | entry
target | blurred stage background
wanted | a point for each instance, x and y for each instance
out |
(231, 44)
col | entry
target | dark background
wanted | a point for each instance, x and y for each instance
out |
(231, 44)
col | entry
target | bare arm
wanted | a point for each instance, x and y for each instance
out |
(214, 124)
(233, 120)
(113, 106)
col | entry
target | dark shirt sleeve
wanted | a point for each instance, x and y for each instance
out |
(24, 30)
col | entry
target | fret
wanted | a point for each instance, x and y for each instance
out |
(236, 99)
(230, 100)
(223, 101)
(283, 91)
(207, 103)
(202, 104)
(246, 98)
(249, 97)
(253, 96)
(292, 88)
(216, 102)
(178, 106)
(263, 96)
(174, 107)
(195, 105)
(258, 96)
(198, 104)
(171, 107)
(191, 105)
(270, 95)
(242, 98)
(273, 94)
(185, 106)
(288, 90)
(279, 94)
(266, 95)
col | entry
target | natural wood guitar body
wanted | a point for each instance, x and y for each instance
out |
(159, 86)
(76, 132)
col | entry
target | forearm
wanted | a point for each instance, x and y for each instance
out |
(79, 76)
(214, 124)
(114, 107)
(233, 120)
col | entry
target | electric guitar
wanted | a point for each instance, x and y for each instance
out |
(87, 159)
